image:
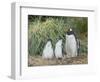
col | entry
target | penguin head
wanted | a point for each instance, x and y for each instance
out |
(59, 38)
(70, 31)
(59, 41)
(49, 42)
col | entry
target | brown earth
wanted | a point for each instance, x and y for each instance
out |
(39, 61)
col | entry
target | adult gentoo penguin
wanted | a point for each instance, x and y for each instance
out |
(58, 49)
(71, 44)
(48, 51)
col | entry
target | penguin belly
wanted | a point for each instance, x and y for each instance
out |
(71, 46)
(58, 49)
(48, 52)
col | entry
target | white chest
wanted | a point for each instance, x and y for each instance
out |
(71, 46)
(58, 49)
(48, 51)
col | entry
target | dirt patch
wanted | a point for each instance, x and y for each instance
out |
(39, 61)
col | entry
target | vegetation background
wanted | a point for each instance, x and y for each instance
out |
(42, 28)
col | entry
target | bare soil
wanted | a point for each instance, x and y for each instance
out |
(39, 61)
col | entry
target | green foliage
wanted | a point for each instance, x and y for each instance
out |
(79, 24)
(84, 47)
(42, 28)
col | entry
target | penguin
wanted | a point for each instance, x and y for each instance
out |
(71, 44)
(58, 49)
(48, 52)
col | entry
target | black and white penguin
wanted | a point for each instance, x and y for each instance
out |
(48, 52)
(71, 45)
(58, 49)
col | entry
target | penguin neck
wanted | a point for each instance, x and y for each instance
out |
(70, 33)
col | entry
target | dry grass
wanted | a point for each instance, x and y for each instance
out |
(38, 61)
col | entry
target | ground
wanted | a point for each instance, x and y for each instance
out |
(38, 61)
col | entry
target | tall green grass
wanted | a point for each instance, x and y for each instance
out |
(42, 28)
